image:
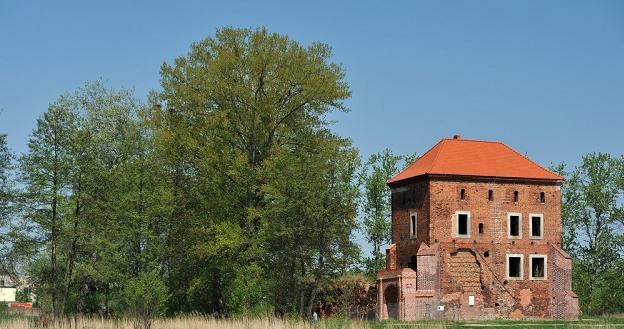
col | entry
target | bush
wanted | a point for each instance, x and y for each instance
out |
(145, 298)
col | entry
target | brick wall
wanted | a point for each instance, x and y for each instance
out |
(474, 267)
(406, 199)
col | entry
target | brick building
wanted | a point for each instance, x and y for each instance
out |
(476, 234)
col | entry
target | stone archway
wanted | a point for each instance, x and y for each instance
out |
(391, 299)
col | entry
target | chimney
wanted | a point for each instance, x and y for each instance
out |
(457, 137)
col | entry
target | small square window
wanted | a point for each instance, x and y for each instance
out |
(514, 267)
(538, 267)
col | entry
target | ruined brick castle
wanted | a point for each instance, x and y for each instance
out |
(476, 234)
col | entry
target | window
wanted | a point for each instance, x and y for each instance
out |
(514, 267)
(536, 226)
(516, 196)
(542, 197)
(514, 225)
(412, 263)
(490, 195)
(480, 228)
(413, 226)
(462, 225)
(538, 267)
(462, 194)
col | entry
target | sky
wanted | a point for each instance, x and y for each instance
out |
(544, 77)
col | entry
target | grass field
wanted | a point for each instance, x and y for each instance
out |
(198, 322)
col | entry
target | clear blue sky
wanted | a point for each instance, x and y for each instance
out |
(546, 77)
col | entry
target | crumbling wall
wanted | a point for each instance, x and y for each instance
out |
(564, 303)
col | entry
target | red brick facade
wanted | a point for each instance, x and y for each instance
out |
(436, 273)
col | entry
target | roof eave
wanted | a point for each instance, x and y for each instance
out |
(473, 177)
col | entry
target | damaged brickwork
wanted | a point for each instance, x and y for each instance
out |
(503, 261)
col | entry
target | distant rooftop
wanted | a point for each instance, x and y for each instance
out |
(465, 157)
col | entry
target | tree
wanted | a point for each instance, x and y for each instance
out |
(592, 229)
(6, 188)
(309, 218)
(376, 203)
(234, 105)
(45, 172)
(145, 298)
(91, 204)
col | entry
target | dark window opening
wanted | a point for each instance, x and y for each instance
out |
(480, 228)
(514, 267)
(490, 195)
(413, 226)
(462, 194)
(536, 226)
(514, 226)
(537, 267)
(412, 263)
(516, 196)
(486, 254)
(542, 197)
(462, 224)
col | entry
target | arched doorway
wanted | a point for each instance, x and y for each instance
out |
(391, 298)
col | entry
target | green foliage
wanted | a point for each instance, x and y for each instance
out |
(261, 190)
(376, 203)
(145, 298)
(593, 231)
(22, 296)
(90, 200)
(6, 194)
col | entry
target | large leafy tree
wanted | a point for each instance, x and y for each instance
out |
(234, 105)
(309, 218)
(593, 226)
(89, 199)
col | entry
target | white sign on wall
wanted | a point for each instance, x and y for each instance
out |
(471, 300)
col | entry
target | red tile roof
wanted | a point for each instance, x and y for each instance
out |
(466, 157)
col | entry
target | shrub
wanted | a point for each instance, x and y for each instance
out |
(145, 298)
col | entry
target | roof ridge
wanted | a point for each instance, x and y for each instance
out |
(433, 162)
(535, 163)
(472, 140)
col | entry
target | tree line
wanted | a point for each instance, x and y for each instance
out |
(227, 192)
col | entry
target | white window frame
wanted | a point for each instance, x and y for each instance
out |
(509, 236)
(536, 237)
(413, 224)
(531, 257)
(456, 226)
(521, 267)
